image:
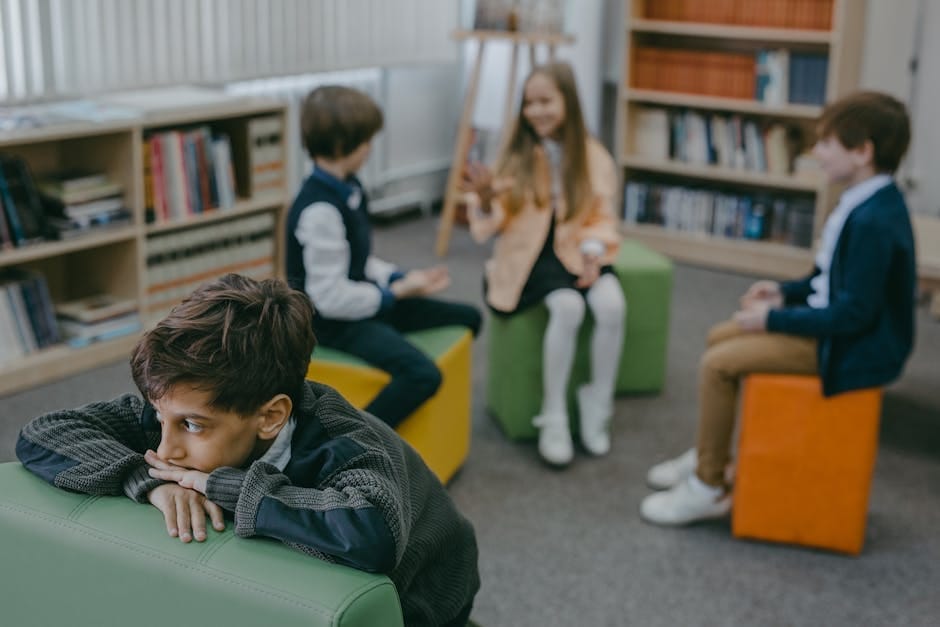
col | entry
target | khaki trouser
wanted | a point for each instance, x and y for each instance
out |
(732, 354)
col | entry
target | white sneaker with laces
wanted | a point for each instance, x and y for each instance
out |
(555, 444)
(687, 502)
(595, 422)
(670, 473)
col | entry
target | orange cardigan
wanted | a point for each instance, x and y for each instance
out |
(521, 237)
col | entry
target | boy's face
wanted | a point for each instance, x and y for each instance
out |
(198, 437)
(841, 164)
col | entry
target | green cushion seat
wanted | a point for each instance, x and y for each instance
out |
(74, 559)
(514, 386)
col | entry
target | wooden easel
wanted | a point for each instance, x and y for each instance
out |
(462, 144)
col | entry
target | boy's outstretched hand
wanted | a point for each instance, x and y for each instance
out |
(422, 282)
(183, 503)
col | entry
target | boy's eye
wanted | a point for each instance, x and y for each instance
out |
(191, 427)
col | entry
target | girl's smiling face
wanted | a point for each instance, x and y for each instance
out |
(543, 105)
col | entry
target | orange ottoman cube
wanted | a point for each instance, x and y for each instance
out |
(440, 429)
(805, 463)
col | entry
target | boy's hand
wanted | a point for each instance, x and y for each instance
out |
(762, 292)
(184, 511)
(754, 318)
(159, 469)
(590, 273)
(421, 282)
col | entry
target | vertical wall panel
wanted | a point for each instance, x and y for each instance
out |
(69, 48)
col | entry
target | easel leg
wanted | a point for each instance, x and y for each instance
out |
(462, 145)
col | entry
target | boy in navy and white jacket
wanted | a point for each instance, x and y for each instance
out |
(850, 321)
(362, 304)
(226, 426)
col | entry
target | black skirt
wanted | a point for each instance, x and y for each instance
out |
(548, 274)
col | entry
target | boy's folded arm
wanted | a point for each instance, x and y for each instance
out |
(797, 291)
(357, 523)
(94, 449)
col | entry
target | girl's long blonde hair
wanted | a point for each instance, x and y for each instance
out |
(524, 159)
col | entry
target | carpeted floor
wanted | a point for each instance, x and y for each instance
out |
(567, 548)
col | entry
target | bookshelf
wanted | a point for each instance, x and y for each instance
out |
(692, 69)
(125, 260)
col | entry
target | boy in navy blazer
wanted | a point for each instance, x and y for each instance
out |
(851, 320)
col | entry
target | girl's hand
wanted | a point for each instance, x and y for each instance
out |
(192, 479)
(478, 178)
(590, 273)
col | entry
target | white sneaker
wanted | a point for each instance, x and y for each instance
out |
(595, 422)
(687, 502)
(555, 444)
(670, 473)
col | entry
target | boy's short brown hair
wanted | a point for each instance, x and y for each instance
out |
(336, 120)
(244, 341)
(870, 116)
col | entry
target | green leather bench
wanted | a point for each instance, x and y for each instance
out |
(514, 384)
(73, 559)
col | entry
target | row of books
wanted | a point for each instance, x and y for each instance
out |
(22, 218)
(267, 175)
(771, 76)
(78, 202)
(187, 172)
(729, 141)
(177, 263)
(784, 219)
(785, 76)
(27, 318)
(803, 14)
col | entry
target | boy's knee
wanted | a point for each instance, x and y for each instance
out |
(426, 379)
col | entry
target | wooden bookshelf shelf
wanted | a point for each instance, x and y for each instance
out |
(757, 34)
(199, 130)
(714, 103)
(693, 78)
(61, 361)
(769, 259)
(44, 250)
(243, 207)
(715, 173)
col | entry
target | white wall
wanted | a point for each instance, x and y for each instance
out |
(896, 32)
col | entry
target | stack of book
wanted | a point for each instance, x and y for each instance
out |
(27, 321)
(97, 318)
(79, 202)
(802, 14)
(22, 217)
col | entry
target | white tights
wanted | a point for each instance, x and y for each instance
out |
(565, 314)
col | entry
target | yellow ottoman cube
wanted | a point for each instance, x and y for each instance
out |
(440, 429)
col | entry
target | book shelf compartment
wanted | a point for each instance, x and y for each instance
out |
(711, 60)
(113, 260)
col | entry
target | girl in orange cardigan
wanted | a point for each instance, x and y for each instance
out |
(550, 204)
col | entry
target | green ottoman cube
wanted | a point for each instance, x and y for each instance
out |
(514, 386)
(74, 559)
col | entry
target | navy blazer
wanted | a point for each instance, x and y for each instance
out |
(867, 331)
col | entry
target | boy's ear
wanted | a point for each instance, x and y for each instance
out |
(866, 153)
(274, 415)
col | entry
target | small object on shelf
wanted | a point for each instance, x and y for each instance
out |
(96, 308)
(78, 334)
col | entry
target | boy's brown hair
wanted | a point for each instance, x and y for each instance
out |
(336, 120)
(870, 116)
(244, 341)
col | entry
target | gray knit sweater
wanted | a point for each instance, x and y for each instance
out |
(353, 492)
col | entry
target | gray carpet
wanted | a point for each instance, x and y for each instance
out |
(567, 547)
